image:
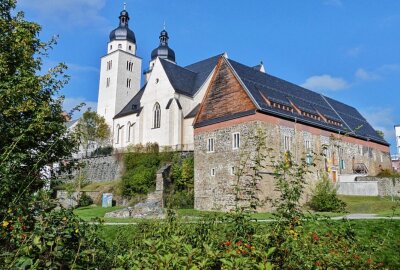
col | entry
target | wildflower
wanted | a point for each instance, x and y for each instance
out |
(5, 223)
(239, 243)
(227, 243)
(315, 236)
(318, 264)
(369, 261)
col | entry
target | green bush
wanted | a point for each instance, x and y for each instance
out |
(139, 181)
(388, 173)
(183, 199)
(102, 151)
(325, 199)
(85, 200)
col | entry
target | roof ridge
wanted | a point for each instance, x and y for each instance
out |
(163, 60)
(218, 55)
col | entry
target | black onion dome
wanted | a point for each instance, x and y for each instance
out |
(163, 51)
(122, 32)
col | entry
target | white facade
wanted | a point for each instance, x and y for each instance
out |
(174, 131)
(120, 75)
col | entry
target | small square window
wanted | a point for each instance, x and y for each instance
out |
(236, 140)
(213, 172)
(210, 145)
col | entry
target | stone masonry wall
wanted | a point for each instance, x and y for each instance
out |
(99, 169)
(386, 186)
(217, 192)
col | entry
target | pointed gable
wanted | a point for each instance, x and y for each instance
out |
(225, 97)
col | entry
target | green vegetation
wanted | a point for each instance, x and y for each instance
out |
(324, 197)
(180, 193)
(369, 204)
(389, 173)
(141, 164)
(92, 212)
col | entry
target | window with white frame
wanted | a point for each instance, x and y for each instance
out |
(287, 143)
(156, 116)
(212, 172)
(210, 145)
(236, 140)
(128, 83)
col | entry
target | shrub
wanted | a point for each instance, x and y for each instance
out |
(324, 197)
(138, 181)
(102, 151)
(388, 173)
(182, 199)
(85, 200)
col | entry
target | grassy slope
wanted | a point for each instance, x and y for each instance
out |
(371, 205)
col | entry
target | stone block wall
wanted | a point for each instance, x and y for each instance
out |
(218, 192)
(98, 169)
(386, 186)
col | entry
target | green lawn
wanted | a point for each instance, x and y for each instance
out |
(90, 212)
(370, 205)
(355, 204)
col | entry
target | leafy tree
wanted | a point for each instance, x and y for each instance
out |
(32, 123)
(380, 133)
(92, 128)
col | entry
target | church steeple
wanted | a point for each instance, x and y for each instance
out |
(122, 32)
(163, 50)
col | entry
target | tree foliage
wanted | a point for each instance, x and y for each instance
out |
(92, 128)
(32, 123)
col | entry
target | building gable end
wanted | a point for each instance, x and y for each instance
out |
(225, 96)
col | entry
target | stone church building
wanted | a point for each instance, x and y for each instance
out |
(212, 106)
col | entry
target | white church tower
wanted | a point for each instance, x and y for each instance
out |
(120, 71)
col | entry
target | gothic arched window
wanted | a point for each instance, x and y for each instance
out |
(156, 115)
(117, 137)
(128, 132)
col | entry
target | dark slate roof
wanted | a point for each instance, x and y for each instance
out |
(133, 105)
(193, 112)
(187, 80)
(262, 85)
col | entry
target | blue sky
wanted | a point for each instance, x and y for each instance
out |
(347, 50)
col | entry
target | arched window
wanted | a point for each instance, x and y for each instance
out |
(128, 132)
(156, 115)
(117, 137)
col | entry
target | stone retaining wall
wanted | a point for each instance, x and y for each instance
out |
(98, 169)
(386, 186)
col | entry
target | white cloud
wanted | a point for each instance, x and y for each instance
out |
(66, 12)
(363, 74)
(80, 68)
(335, 3)
(381, 119)
(378, 73)
(325, 82)
(71, 102)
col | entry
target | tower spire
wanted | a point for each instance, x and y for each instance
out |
(124, 5)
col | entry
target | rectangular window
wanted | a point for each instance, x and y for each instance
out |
(287, 143)
(381, 157)
(108, 82)
(342, 164)
(307, 146)
(233, 170)
(210, 145)
(213, 172)
(236, 140)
